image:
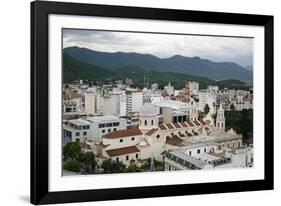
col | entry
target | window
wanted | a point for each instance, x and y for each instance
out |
(109, 130)
(84, 133)
(108, 125)
(77, 139)
(117, 159)
(103, 131)
(132, 138)
(101, 125)
(114, 129)
(189, 152)
(158, 136)
(205, 150)
(77, 134)
(198, 151)
(86, 127)
(121, 140)
(152, 122)
(145, 122)
(116, 124)
(137, 156)
(127, 157)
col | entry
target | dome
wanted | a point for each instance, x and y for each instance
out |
(148, 109)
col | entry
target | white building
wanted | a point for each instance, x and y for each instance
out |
(134, 101)
(213, 88)
(169, 89)
(101, 125)
(76, 130)
(177, 111)
(241, 103)
(207, 156)
(193, 87)
(206, 97)
(91, 102)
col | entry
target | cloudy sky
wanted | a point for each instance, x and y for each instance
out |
(238, 50)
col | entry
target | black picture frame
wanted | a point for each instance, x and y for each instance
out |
(40, 104)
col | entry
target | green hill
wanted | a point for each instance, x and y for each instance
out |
(74, 70)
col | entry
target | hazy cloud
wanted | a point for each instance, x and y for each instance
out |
(238, 50)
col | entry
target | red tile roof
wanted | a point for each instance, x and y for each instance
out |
(197, 123)
(169, 125)
(123, 133)
(183, 124)
(150, 132)
(162, 127)
(202, 122)
(190, 124)
(177, 125)
(175, 141)
(122, 151)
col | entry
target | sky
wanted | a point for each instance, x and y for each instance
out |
(218, 49)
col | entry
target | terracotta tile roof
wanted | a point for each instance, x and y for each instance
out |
(175, 141)
(150, 132)
(123, 133)
(183, 124)
(190, 124)
(162, 127)
(177, 125)
(122, 151)
(182, 135)
(221, 154)
(197, 123)
(202, 122)
(170, 126)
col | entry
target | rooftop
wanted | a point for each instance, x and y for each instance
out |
(79, 122)
(107, 118)
(171, 103)
(122, 151)
(123, 133)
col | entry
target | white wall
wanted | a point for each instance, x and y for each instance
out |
(15, 42)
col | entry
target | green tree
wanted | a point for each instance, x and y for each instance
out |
(111, 166)
(232, 107)
(71, 150)
(206, 109)
(87, 161)
(71, 165)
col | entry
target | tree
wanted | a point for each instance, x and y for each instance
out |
(111, 166)
(232, 107)
(71, 150)
(87, 161)
(71, 165)
(206, 109)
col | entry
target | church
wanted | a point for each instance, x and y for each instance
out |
(152, 139)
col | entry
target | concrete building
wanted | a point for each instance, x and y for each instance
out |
(101, 125)
(193, 87)
(177, 111)
(206, 97)
(76, 130)
(134, 101)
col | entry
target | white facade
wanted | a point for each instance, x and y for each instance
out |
(169, 89)
(206, 97)
(193, 87)
(90, 103)
(101, 125)
(76, 130)
(134, 101)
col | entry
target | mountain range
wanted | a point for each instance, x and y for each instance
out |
(195, 66)
(73, 70)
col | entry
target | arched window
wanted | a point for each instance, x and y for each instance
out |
(152, 122)
(145, 122)
(158, 136)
